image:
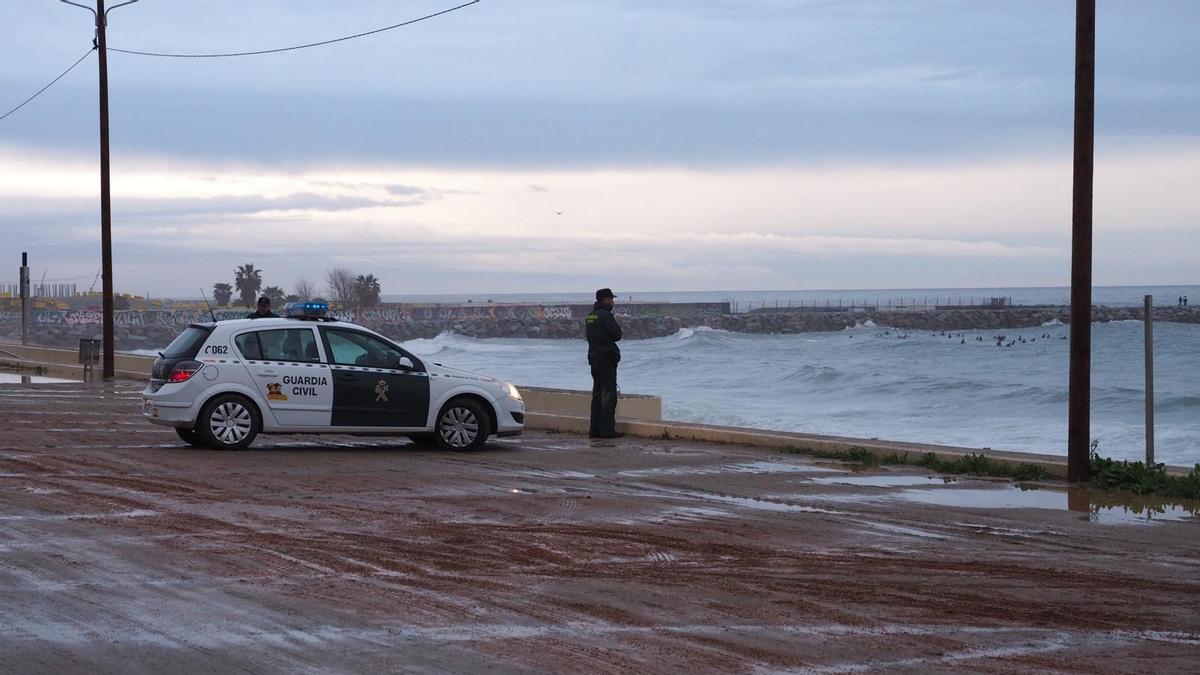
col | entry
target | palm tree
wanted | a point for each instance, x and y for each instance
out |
(367, 289)
(248, 280)
(276, 294)
(222, 293)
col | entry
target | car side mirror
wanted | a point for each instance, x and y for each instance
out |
(405, 363)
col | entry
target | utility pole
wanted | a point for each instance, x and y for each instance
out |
(26, 305)
(105, 198)
(1149, 342)
(1080, 396)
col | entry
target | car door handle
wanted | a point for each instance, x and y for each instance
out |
(267, 373)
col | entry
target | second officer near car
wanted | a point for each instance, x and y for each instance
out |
(603, 333)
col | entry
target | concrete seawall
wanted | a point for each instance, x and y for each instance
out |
(154, 329)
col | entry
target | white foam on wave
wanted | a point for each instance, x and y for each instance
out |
(687, 333)
(861, 325)
(1052, 322)
(460, 343)
(428, 346)
(142, 352)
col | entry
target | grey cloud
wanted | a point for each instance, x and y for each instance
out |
(698, 82)
(425, 262)
(406, 190)
(186, 209)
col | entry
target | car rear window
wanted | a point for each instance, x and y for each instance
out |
(247, 344)
(293, 344)
(187, 344)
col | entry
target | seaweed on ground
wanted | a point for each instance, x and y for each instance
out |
(973, 464)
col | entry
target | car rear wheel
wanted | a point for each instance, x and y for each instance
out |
(462, 425)
(189, 436)
(228, 422)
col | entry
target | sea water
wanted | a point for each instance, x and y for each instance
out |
(875, 382)
(1111, 296)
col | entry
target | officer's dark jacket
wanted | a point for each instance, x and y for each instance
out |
(255, 315)
(603, 332)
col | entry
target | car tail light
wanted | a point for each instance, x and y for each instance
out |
(184, 371)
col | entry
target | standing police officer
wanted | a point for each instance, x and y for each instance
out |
(603, 333)
(263, 310)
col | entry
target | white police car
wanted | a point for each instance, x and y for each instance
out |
(221, 384)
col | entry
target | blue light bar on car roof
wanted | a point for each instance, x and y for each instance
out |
(305, 309)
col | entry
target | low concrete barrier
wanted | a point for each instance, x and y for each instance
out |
(570, 402)
(686, 431)
(64, 363)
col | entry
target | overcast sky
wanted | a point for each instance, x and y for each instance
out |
(561, 145)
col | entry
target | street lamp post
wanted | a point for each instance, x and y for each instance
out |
(101, 16)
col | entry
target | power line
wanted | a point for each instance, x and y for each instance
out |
(86, 276)
(303, 46)
(46, 281)
(39, 91)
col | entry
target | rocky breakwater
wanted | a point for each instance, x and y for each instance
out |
(807, 321)
(65, 336)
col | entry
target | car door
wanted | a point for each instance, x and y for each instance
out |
(286, 368)
(375, 383)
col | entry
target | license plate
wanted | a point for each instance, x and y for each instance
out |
(148, 408)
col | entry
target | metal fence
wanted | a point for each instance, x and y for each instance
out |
(900, 304)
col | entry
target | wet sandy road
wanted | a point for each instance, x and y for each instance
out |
(122, 550)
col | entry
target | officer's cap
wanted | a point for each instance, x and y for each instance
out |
(604, 293)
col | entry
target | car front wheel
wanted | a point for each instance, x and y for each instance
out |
(423, 440)
(462, 425)
(228, 422)
(189, 436)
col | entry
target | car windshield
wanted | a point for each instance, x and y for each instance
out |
(187, 344)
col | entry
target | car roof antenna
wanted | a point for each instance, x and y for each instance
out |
(210, 312)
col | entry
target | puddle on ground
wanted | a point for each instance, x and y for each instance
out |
(519, 491)
(18, 378)
(907, 531)
(538, 473)
(997, 498)
(1096, 507)
(745, 467)
(899, 480)
(1126, 509)
(682, 514)
(758, 504)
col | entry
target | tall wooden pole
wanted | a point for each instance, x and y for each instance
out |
(1149, 326)
(26, 299)
(1079, 414)
(105, 202)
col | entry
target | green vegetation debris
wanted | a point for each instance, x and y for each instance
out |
(976, 465)
(1116, 474)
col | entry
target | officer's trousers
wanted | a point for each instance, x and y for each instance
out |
(604, 394)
